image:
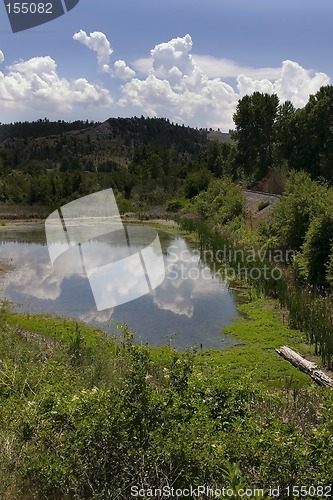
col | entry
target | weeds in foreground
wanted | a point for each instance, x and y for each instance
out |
(92, 419)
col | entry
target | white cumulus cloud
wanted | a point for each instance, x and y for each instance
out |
(97, 42)
(248, 85)
(296, 83)
(190, 89)
(173, 83)
(35, 84)
(121, 70)
(177, 88)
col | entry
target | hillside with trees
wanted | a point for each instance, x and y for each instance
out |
(50, 163)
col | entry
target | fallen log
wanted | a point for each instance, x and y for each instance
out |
(305, 366)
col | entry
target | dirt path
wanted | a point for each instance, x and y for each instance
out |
(258, 205)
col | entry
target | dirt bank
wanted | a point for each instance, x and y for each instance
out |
(258, 205)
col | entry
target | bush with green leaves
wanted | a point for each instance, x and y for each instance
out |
(316, 253)
(196, 182)
(302, 201)
(221, 203)
(176, 204)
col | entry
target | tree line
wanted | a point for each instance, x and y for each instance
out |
(271, 134)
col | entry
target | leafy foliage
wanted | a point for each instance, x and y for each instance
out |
(317, 250)
(306, 142)
(255, 118)
(302, 200)
(221, 203)
(273, 135)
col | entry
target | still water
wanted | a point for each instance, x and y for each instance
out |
(190, 307)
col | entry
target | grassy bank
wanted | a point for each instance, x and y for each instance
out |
(84, 417)
(260, 331)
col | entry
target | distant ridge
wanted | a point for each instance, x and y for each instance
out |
(215, 135)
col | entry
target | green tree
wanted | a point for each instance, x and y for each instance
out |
(302, 200)
(255, 118)
(317, 250)
(196, 182)
(305, 136)
(320, 132)
(219, 158)
(222, 202)
(284, 132)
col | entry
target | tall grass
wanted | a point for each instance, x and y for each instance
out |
(311, 310)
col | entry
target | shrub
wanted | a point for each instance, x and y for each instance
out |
(175, 205)
(302, 200)
(221, 203)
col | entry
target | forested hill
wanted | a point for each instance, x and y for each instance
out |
(145, 159)
(40, 128)
(143, 128)
(157, 131)
(134, 131)
(87, 145)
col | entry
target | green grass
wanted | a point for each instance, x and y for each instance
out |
(62, 329)
(261, 331)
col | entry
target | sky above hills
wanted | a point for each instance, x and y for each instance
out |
(187, 60)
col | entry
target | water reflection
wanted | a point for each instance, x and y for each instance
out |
(190, 306)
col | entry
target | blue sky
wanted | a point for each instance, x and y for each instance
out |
(186, 60)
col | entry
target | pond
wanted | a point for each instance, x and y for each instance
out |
(191, 306)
